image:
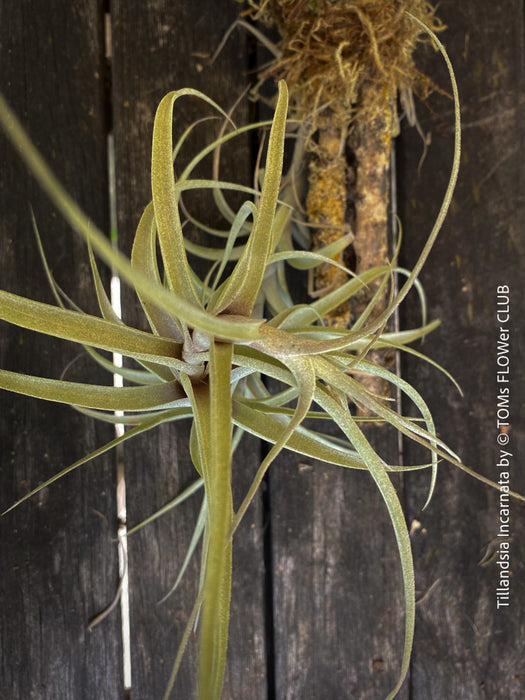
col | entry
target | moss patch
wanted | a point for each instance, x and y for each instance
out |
(344, 61)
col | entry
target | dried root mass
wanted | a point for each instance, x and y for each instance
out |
(333, 51)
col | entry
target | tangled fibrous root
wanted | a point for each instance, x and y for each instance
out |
(333, 53)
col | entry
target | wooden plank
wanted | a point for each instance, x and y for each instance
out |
(465, 646)
(156, 51)
(337, 589)
(59, 566)
(337, 597)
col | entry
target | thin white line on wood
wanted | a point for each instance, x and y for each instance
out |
(119, 430)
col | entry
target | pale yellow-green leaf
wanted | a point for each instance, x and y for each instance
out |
(356, 392)
(143, 258)
(311, 313)
(212, 410)
(175, 305)
(377, 469)
(247, 209)
(166, 198)
(88, 330)
(109, 398)
(146, 425)
(304, 374)
(306, 260)
(240, 294)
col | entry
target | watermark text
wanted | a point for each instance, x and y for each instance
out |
(504, 458)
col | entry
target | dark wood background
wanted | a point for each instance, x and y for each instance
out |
(317, 604)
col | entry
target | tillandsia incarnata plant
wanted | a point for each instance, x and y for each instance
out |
(210, 346)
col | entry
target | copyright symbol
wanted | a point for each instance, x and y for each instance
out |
(503, 439)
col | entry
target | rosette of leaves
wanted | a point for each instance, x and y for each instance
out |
(209, 348)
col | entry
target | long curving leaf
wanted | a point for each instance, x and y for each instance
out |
(304, 374)
(415, 396)
(341, 415)
(240, 294)
(146, 425)
(406, 426)
(303, 441)
(143, 258)
(175, 305)
(108, 398)
(88, 330)
(166, 197)
(355, 391)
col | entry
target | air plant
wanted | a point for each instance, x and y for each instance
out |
(210, 347)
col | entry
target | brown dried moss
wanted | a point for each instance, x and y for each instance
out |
(332, 51)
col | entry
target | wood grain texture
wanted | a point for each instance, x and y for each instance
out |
(336, 592)
(465, 647)
(59, 566)
(338, 602)
(158, 47)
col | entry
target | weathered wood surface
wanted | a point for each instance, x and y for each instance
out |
(58, 554)
(332, 619)
(465, 647)
(338, 599)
